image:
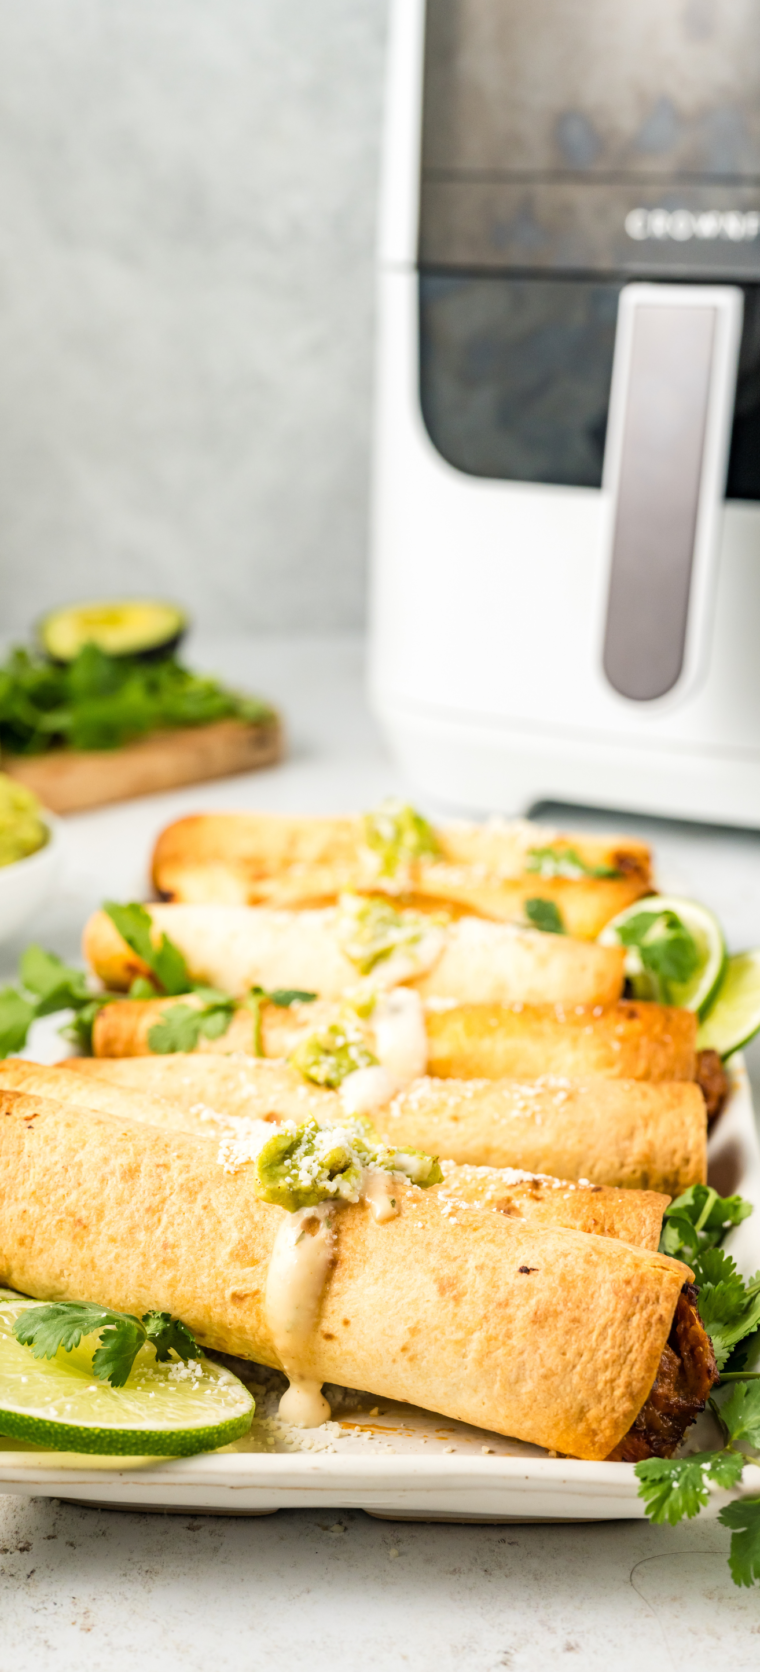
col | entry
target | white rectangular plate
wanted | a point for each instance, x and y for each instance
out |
(390, 1459)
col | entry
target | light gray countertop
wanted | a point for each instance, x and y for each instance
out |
(339, 1591)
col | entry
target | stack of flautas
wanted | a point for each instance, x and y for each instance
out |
(598, 1090)
(574, 1341)
(490, 870)
(522, 1293)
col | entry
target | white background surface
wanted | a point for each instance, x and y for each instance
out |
(340, 1591)
(186, 248)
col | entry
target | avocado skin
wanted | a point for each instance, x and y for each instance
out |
(155, 651)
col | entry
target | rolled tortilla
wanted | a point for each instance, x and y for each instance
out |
(277, 860)
(633, 1216)
(629, 1041)
(549, 1335)
(613, 1132)
(239, 947)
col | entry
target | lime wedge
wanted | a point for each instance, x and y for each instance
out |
(734, 1017)
(648, 973)
(170, 1409)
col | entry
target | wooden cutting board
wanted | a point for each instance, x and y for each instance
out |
(69, 780)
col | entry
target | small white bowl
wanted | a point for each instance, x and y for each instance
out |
(27, 883)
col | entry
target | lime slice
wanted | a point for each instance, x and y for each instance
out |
(171, 1409)
(696, 992)
(734, 1017)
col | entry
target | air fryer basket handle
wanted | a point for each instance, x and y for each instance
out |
(671, 408)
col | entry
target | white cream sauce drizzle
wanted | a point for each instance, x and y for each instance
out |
(401, 1041)
(379, 1191)
(366, 1089)
(298, 1270)
(408, 962)
(299, 1267)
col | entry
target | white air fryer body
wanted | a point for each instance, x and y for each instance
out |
(501, 665)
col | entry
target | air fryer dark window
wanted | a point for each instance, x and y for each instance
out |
(515, 378)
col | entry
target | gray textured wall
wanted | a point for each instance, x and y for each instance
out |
(187, 192)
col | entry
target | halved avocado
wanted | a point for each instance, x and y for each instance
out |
(142, 627)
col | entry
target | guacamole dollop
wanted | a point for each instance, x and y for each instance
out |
(302, 1166)
(22, 830)
(397, 835)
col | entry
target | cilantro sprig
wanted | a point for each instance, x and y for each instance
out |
(699, 1219)
(182, 1026)
(677, 1488)
(694, 1225)
(122, 1334)
(168, 968)
(100, 701)
(282, 997)
(46, 984)
(674, 1489)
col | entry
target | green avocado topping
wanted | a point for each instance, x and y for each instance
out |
(397, 835)
(22, 830)
(565, 862)
(328, 1057)
(302, 1166)
(371, 930)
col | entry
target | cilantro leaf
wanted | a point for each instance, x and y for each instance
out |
(668, 951)
(181, 1026)
(122, 1334)
(56, 985)
(120, 1344)
(143, 988)
(678, 1487)
(61, 1324)
(565, 862)
(168, 1334)
(283, 997)
(741, 1356)
(16, 1017)
(740, 1414)
(79, 1029)
(699, 1219)
(164, 959)
(545, 915)
(713, 1266)
(215, 1019)
(743, 1517)
(47, 984)
(729, 1308)
(178, 1030)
